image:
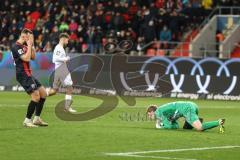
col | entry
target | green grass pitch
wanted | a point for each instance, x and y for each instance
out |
(91, 140)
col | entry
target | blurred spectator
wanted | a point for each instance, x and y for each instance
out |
(219, 39)
(29, 24)
(133, 8)
(140, 45)
(117, 21)
(93, 23)
(150, 32)
(63, 27)
(98, 40)
(159, 3)
(207, 4)
(73, 26)
(165, 37)
(91, 34)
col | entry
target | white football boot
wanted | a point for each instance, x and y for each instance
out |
(28, 123)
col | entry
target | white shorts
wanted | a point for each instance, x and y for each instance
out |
(62, 78)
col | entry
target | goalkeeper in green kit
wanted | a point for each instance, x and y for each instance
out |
(167, 115)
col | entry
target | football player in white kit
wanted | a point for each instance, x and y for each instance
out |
(62, 75)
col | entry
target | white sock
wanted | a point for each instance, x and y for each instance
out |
(47, 91)
(68, 99)
(26, 120)
(36, 118)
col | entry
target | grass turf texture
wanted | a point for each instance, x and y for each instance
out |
(109, 133)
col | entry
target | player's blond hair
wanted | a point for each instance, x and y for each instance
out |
(26, 31)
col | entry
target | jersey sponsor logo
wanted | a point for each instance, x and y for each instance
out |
(33, 86)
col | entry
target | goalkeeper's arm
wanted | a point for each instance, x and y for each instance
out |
(170, 125)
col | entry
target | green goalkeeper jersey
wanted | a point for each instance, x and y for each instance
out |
(170, 112)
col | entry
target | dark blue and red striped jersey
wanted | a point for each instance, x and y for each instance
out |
(21, 66)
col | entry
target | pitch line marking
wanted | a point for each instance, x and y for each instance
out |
(155, 157)
(174, 150)
(136, 154)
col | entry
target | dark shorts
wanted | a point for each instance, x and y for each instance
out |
(29, 83)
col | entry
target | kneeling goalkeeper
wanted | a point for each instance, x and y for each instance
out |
(167, 115)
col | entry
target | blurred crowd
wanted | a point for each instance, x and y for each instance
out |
(92, 24)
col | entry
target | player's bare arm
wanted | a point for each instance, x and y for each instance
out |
(33, 54)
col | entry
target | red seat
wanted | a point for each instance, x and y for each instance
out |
(151, 52)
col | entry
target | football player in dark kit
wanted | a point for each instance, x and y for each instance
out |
(23, 52)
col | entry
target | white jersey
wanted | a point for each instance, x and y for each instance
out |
(61, 74)
(59, 56)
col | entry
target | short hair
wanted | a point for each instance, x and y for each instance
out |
(152, 108)
(26, 31)
(64, 35)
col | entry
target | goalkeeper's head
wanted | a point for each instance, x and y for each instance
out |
(150, 111)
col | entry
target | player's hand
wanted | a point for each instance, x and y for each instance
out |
(30, 40)
(158, 126)
(29, 43)
(67, 59)
(31, 37)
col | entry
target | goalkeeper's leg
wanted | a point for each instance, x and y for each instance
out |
(189, 126)
(210, 125)
(213, 124)
(207, 125)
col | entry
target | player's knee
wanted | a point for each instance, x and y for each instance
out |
(43, 93)
(199, 129)
(35, 96)
(68, 82)
(69, 89)
(53, 91)
(197, 125)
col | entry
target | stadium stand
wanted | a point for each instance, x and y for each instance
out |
(93, 23)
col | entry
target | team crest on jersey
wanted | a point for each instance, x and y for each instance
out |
(33, 86)
(20, 51)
